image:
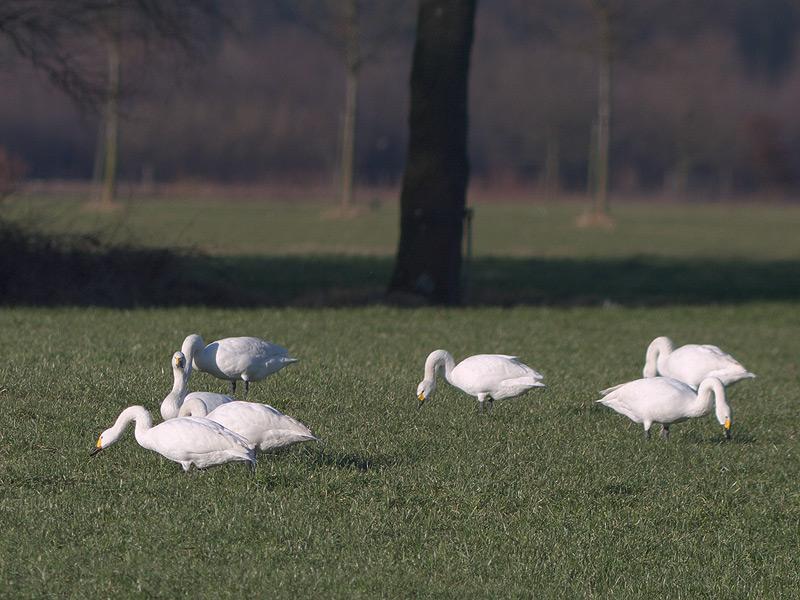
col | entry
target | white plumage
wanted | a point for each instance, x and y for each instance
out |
(235, 358)
(186, 440)
(692, 363)
(488, 377)
(178, 403)
(263, 426)
(665, 400)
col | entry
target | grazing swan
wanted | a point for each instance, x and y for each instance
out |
(665, 400)
(488, 377)
(263, 426)
(177, 402)
(692, 363)
(234, 358)
(188, 440)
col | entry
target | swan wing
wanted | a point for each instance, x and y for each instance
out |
(484, 373)
(197, 440)
(235, 356)
(653, 399)
(694, 362)
(263, 425)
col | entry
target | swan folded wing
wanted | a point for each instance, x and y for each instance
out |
(235, 356)
(484, 372)
(261, 424)
(693, 363)
(189, 436)
(509, 388)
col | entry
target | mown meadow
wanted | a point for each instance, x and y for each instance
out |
(550, 495)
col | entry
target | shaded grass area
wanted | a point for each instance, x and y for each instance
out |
(550, 495)
(81, 274)
(174, 253)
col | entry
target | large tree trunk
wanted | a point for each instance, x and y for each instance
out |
(353, 65)
(434, 190)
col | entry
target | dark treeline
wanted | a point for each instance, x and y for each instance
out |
(704, 99)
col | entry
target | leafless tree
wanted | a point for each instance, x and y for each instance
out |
(358, 30)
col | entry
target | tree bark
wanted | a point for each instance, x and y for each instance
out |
(552, 181)
(433, 197)
(603, 110)
(353, 64)
(111, 142)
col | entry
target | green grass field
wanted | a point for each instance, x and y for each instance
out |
(548, 496)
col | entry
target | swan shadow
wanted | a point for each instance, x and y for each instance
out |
(350, 461)
(737, 438)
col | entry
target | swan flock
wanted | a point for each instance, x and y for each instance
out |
(203, 429)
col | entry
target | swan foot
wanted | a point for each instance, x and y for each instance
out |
(665, 432)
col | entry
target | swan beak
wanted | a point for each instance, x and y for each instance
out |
(97, 447)
(421, 398)
(727, 427)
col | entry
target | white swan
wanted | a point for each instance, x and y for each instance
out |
(263, 426)
(188, 440)
(488, 377)
(665, 400)
(692, 363)
(178, 403)
(234, 358)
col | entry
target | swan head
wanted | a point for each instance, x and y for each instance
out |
(106, 438)
(721, 407)
(425, 390)
(178, 360)
(723, 411)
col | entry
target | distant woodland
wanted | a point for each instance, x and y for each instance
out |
(704, 99)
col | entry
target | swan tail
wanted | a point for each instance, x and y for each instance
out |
(607, 391)
(532, 381)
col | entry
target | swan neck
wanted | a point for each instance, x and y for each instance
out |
(190, 347)
(657, 353)
(137, 414)
(708, 387)
(437, 360)
(174, 400)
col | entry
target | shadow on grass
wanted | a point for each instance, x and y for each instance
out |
(80, 271)
(349, 461)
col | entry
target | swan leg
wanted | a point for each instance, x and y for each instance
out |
(490, 404)
(647, 433)
(233, 388)
(481, 405)
(664, 432)
(246, 387)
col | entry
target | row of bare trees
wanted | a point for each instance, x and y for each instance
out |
(53, 36)
(697, 108)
